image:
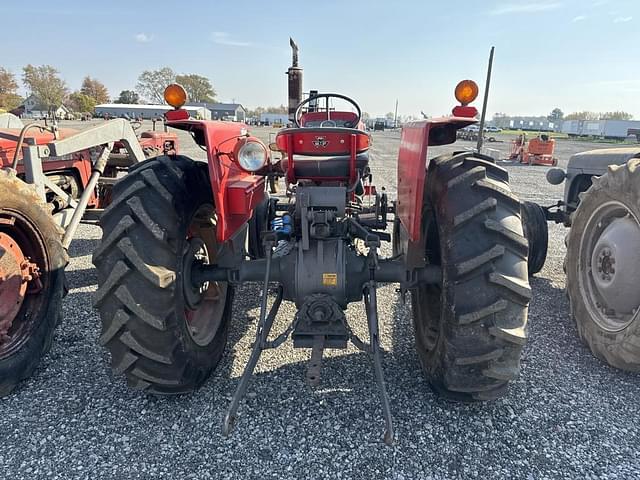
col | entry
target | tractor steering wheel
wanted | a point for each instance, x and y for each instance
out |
(298, 115)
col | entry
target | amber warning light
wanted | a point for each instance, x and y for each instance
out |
(466, 91)
(175, 95)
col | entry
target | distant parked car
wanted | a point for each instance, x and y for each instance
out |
(492, 129)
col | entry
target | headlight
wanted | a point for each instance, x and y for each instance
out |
(252, 156)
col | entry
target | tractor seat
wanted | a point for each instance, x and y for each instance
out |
(307, 166)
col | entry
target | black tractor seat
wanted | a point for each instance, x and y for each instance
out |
(307, 166)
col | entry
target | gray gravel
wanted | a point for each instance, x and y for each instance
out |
(568, 416)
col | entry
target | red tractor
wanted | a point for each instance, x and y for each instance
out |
(50, 180)
(173, 252)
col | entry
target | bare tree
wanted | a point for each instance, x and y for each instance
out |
(151, 83)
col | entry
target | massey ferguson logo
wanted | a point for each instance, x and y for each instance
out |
(321, 142)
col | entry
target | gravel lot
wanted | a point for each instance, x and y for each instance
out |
(568, 416)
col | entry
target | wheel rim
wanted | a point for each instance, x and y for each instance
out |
(609, 266)
(23, 276)
(204, 305)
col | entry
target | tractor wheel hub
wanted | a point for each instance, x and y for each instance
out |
(615, 266)
(16, 272)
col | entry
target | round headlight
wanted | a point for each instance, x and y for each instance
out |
(252, 156)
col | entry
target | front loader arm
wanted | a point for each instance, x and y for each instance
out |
(112, 131)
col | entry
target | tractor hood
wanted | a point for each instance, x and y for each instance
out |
(595, 161)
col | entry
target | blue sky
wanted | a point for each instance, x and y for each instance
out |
(576, 55)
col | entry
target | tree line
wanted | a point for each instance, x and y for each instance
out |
(51, 91)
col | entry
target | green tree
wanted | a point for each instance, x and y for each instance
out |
(556, 115)
(9, 98)
(80, 102)
(151, 83)
(95, 89)
(127, 96)
(45, 83)
(199, 88)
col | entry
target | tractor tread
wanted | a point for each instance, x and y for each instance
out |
(467, 178)
(519, 241)
(157, 230)
(492, 355)
(479, 209)
(128, 339)
(123, 363)
(159, 276)
(124, 295)
(112, 281)
(110, 331)
(519, 287)
(151, 179)
(499, 190)
(471, 317)
(479, 260)
(125, 224)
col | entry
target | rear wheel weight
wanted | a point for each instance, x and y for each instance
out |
(28, 235)
(163, 334)
(602, 276)
(470, 330)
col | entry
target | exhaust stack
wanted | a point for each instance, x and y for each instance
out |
(295, 81)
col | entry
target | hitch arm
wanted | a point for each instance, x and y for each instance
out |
(262, 333)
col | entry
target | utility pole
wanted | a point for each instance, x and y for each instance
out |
(486, 98)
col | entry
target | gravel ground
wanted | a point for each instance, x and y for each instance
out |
(568, 415)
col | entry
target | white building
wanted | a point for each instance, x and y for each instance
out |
(134, 110)
(33, 108)
(271, 118)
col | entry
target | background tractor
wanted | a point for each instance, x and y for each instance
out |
(173, 251)
(538, 151)
(601, 206)
(50, 180)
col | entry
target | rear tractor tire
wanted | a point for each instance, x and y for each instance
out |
(471, 329)
(603, 266)
(32, 263)
(165, 336)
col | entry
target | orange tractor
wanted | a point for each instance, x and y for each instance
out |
(538, 151)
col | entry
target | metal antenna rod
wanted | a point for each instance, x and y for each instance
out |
(486, 98)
